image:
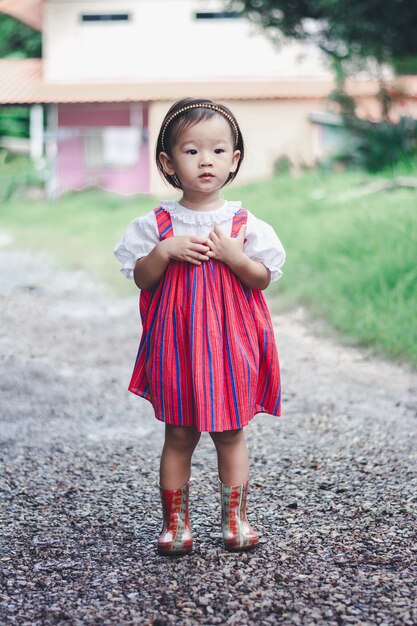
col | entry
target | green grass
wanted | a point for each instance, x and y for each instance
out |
(80, 230)
(353, 262)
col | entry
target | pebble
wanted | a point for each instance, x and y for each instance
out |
(332, 488)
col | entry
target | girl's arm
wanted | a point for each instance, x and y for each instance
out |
(253, 274)
(150, 269)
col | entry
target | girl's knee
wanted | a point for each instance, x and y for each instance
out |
(181, 437)
(228, 437)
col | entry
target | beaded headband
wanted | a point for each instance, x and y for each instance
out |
(207, 105)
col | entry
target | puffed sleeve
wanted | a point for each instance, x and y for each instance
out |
(262, 244)
(139, 239)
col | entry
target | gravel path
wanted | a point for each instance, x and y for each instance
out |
(333, 487)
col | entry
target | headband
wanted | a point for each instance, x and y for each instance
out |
(207, 105)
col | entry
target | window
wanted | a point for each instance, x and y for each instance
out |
(217, 15)
(105, 17)
(112, 147)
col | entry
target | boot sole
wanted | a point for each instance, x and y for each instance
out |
(185, 550)
(172, 553)
(241, 548)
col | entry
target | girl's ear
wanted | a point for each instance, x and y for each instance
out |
(166, 162)
(235, 161)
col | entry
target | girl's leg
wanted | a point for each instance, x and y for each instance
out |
(232, 456)
(233, 464)
(175, 538)
(175, 468)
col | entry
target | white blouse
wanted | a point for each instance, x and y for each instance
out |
(141, 236)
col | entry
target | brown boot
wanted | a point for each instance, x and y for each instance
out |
(238, 534)
(175, 538)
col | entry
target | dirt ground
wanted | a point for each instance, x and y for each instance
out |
(333, 482)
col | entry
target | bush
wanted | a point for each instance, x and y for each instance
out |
(14, 121)
(17, 172)
(383, 144)
(282, 165)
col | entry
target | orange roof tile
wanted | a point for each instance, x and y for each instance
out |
(27, 11)
(21, 82)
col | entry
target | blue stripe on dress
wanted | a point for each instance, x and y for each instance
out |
(161, 360)
(187, 281)
(278, 401)
(229, 358)
(193, 316)
(250, 343)
(262, 302)
(249, 382)
(177, 363)
(203, 362)
(210, 355)
(150, 329)
(212, 266)
(267, 373)
(165, 230)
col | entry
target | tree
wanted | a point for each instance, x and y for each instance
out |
(18, 40)
(344, 29)
(351, 32)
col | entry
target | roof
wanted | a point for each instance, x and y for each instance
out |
(27, 11)
(21, 82)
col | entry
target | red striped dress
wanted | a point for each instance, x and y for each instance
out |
(207, 356)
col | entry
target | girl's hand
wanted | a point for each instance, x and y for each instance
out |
(224, 248)
(229, 250)
(185, 248)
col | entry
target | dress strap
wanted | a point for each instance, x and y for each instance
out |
(164, 223)
(239, 219)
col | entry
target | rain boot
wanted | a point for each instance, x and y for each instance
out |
(175, 538)
(238, 534)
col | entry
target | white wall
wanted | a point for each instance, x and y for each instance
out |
(270, 128)
(162, 40)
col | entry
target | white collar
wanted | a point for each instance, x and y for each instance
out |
(201, 218)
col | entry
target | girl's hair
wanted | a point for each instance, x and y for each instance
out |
(186, 113)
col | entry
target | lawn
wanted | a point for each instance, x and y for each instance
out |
(351, 260)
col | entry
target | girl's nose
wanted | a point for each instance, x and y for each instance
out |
(206, 159)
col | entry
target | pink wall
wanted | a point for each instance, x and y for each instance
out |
(129, 180)
(93, 115)
(72, 170)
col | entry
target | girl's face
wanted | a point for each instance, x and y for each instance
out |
(203, 156)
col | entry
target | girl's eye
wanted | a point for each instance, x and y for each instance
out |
(191, 151)
(218, 151)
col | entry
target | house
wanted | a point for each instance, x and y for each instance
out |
(112, 68)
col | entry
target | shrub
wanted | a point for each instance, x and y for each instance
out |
(282, 165)
(383, 144)
(17, 172)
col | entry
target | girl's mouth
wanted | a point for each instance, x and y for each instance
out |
(206, 176)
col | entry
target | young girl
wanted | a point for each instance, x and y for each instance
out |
(207, 358)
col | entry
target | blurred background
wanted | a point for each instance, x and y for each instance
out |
(325, 92)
